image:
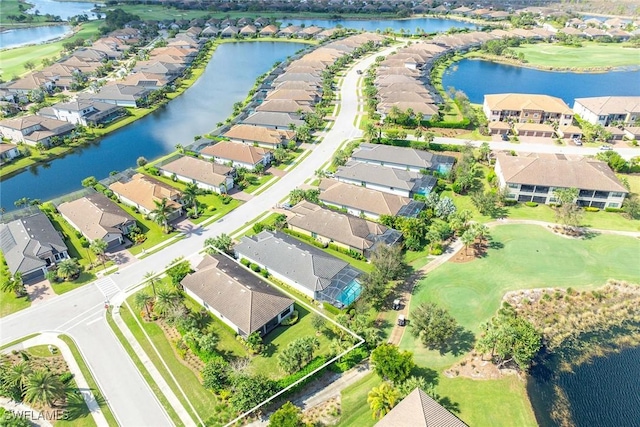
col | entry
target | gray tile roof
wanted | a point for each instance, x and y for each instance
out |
(388, 177)
(301, 263)
(401, 156)
(231, 290)
(25, 240)
(418, 409)
(270, 118)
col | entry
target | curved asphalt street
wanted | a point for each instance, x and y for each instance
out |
(81, 313)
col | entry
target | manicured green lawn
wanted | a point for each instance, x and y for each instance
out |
(589, 55)
(104, 407)
(270, 220)
(354, 406)
(155, 234)
(259, 181)
(9, 302)
(42, 351)
(13, 60)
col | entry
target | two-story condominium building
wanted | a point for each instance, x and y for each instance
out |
(97, 217)
(205, 174)
(389, 180)
(344, 230)
(605, 110)
(239, 155)
(84, 111)
(30, 245)
(306, 268)
(141, 192)
(526, 108)
(260, 136)
(236, 296)
(403, 158)
(534, 179)
(358, 200)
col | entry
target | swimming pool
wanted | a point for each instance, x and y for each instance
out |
(350, 293)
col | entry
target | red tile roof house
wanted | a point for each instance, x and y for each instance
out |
(97, 217)
(261, 136)
(236, 296)
(34, 129)
(205, 174)
(239, 155)
(141, 192)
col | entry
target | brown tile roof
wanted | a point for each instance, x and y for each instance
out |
(284, 106)
(539, 127)
(554, 171)
(235, 293)
(602, 105)
(235, 151)
(361, 198)
(144, 190)
(526, 101)
(95, 216)
(259, 134)
(347, 229)
(418, 409)
(4, 147)
(198, 169)
(295, 95)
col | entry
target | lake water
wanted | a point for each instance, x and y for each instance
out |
(63, 9)
(603, 393)
(32, 35)
(429, 25)
(477, 78)
(227, 79)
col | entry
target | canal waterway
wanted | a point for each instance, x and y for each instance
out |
(477, 78)
(31, 35)
(227, 79)
(603, 393)
(428, 25)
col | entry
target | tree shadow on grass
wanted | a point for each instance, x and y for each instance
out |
(431, 376)
(461, 342)
(449, 405)
(76, 407)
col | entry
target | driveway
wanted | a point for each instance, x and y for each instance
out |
(39, 291)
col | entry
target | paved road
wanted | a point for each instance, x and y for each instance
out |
(81, 314)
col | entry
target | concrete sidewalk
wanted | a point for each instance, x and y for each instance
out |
(48, 338)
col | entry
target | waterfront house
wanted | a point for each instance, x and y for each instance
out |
(147, 80)
(605, 110)
(97, 217)
(534, 178)
(389, 180)
(284, 106)
(234, 295)
(404, 158)
(8, 152)
(141, 192)
(260, 136)
(239, 155)
(205, 174)
(523, 108)
(305, 268)
(269, 31)
(357, 200)
(301, 96)
(86, 112)
(273, 120)
(419, 409)
(344, 230)
(248, 31)
(119, 94)
(30, 245)
(229, 32)
(33, 130)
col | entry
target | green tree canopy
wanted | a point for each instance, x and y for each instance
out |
(432, 324)
(391, 364)
(289, 415)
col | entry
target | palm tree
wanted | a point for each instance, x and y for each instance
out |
(152, 278)
(143, 300)
(166, 301)
(13, 284)
(25, 201)
(68, 268)
(18, 376)
(190, 197)
(370, 131)
(467, 239)
(480, 231)
(44, 388)
(161, 214)
(99, 247)
(382, 399)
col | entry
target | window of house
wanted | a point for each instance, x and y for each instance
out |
(614, 205)
(513, 185)
(616, 194)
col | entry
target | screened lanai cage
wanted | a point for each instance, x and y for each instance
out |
(344, 288)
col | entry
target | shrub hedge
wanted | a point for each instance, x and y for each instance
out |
(531, 204)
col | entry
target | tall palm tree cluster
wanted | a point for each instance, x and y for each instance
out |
(37, 386)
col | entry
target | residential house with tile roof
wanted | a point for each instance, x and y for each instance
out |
(389, 180)
(404, 158)
(142, 192)
(259, 135)
(419, 409)
(8, 152)
(347, 231)
(86, 112)
(98, 217)
(284, 106)
(239, 155)
(534, 178)
(236, 296)
(605, 110)
(273, 120)
(32, 130)
(306, 268)
(523, 108)
(119, 94)
(30, 245)
(358, 200)
(205, 174)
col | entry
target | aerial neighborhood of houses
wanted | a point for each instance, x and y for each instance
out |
(287, 217)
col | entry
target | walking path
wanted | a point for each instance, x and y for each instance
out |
(48, 338)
